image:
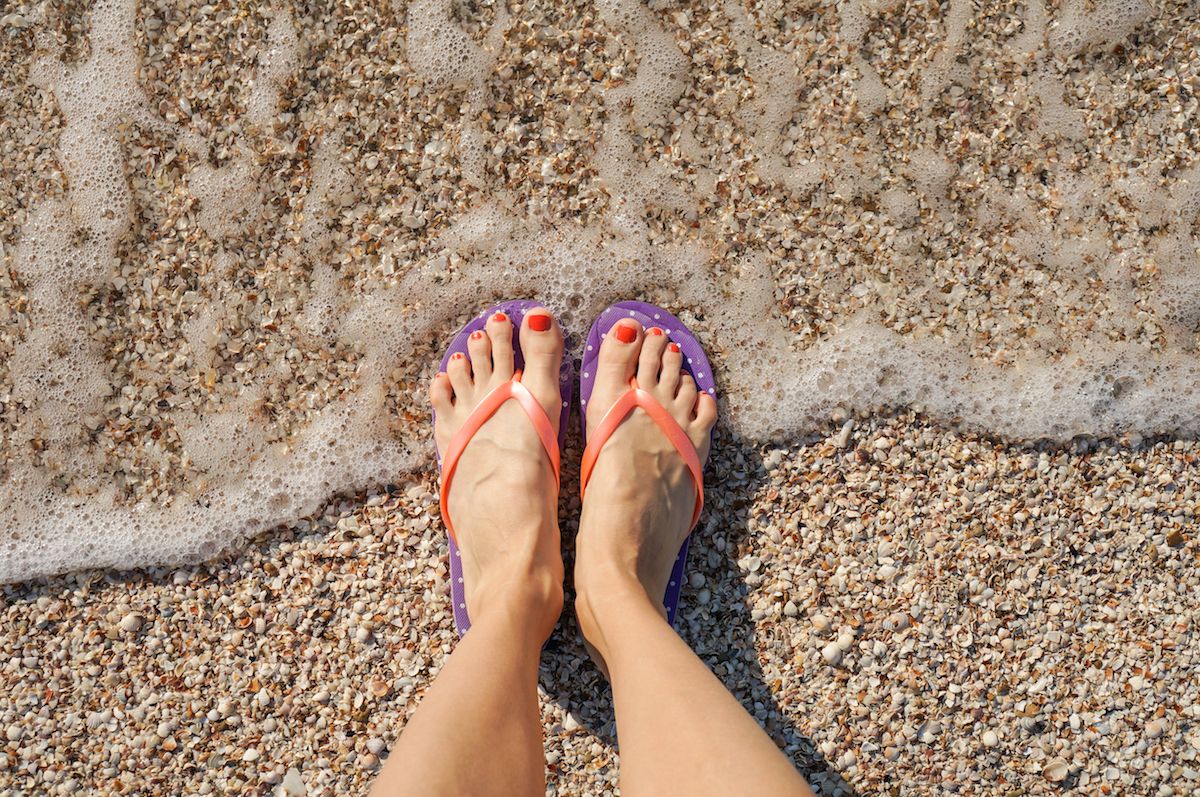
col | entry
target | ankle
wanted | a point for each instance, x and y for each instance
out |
(526, 594)
(605, 601)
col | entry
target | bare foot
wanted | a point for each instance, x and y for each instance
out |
(503, 504)
(638, 507)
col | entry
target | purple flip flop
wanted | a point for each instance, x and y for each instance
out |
(516, 311)
(695, 362)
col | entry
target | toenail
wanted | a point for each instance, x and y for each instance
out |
(626, 334)
(500, 317)
(458, 355)
(539, 323)
(674, 347)
(477, 334)
(654, 331)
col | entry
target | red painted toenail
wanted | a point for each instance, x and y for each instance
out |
(539, 323)
(477, 334)
(654, 331)
(674, 347)
(501, 317)
(626, 334)
(458, 355)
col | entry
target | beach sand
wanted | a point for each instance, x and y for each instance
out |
(957, 553)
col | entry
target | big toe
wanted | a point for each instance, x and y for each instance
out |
(618, 358)
(542, 348)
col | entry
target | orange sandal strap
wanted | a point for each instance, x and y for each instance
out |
(512, 389)
(633, 398)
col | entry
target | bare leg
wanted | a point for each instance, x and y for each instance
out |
(478, 730)
(680, 730)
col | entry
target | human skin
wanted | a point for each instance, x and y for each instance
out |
(478, 730)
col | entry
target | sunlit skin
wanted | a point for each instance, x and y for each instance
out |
(478, 729)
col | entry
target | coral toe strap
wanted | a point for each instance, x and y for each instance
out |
(512, 389)
(633, 398)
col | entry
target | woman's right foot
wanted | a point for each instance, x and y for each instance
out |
(637, 510)
(503, 500)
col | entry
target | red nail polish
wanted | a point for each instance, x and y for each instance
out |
(477, 334)
(458, 355)
(500, 317)
(539, 323)
(626, 334)
(674, 347)
(654, 331)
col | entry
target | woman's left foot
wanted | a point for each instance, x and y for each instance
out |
(641, 496)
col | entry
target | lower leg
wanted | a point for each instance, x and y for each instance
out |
(478, 729)
(680, 730)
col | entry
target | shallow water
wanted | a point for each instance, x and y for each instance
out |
(234, 238)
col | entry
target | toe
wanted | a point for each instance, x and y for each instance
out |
(672, 364)
(479, 346)
(705, 413)
(650, 360)
(499, 329)
(702, 422)
(441, 395)
(685, 397)
(542, 345)
(619, 353)
(459, 371)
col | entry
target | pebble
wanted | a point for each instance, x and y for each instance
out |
(990, 739)
(293, 784)
(842, 439)
(832, 653)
